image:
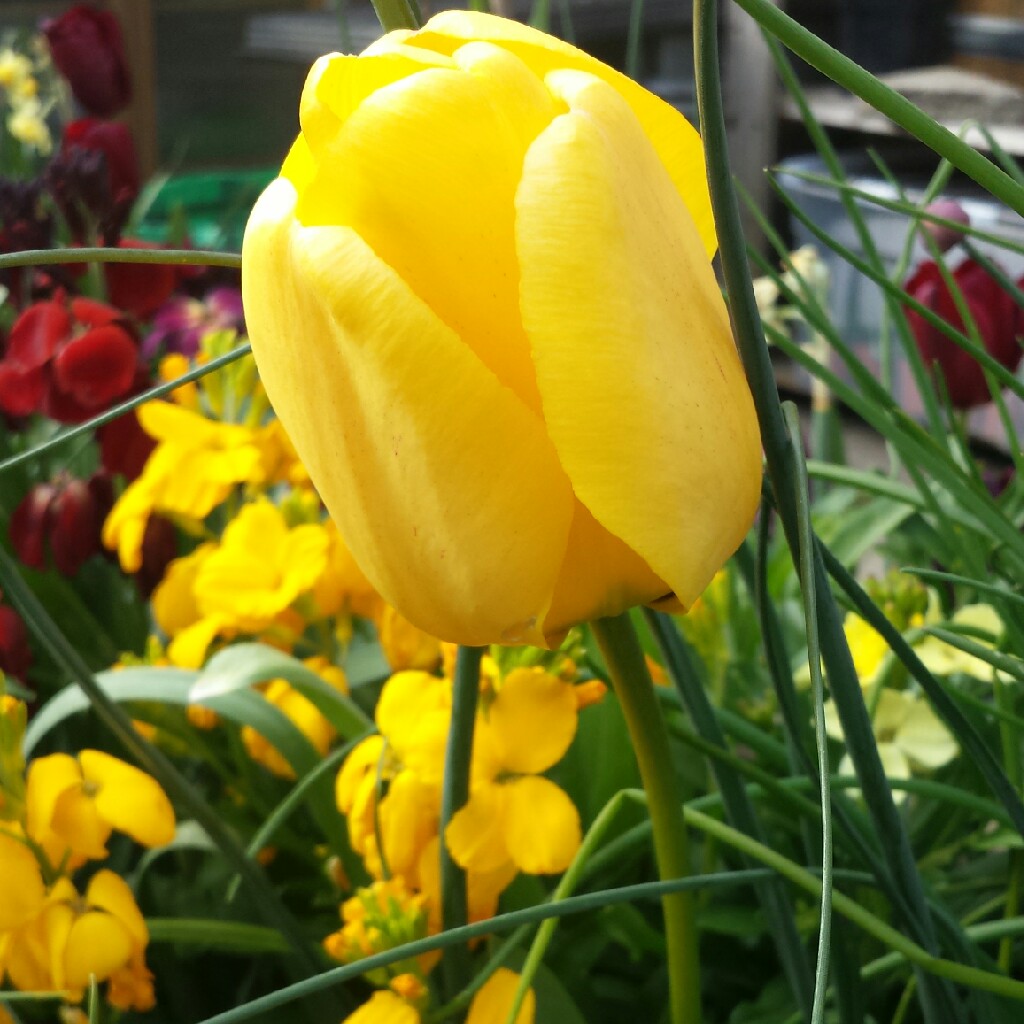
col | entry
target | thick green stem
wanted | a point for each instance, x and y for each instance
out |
(632, 683)
(454, 794)
(395, 14)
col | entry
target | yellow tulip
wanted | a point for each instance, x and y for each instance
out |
(481, 301)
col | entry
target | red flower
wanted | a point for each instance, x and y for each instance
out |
(113, 140)
(1000, 322)
(61, 521)
(15, 654)
(139, 288)
(68, 361)
(124, 445)
(87, 49)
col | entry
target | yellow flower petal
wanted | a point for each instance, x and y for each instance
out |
(428, 440)
(174, 600)
(384, 1008)
(21, 884)
(541, 825)
(642, 387)
(494, 1000)
(532, 720)
(129, 799)
(672, 136)
(110, 892)
(476, 834)
(924, 738)
(413, 712)
(97, 943)
(408, 820)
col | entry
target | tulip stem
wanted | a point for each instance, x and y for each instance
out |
(395, 14)
(454, 794)
(632, 683)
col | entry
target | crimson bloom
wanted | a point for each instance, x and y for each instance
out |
(996, 314)
(88, 50)
(114, 141)
(61, 521)
(66, 360)
(139, 288)
(15, 653)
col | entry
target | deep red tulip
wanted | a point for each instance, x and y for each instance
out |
(88, 50)
(15, 653)
(61, 521)
(114, 141)
(66, 360)
(1000, 323)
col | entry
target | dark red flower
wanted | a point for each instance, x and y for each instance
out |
(124, 445)
(113, 140)
(15, 654)
(159, 549)
(87, 49)
(61, 522)
(139, 288)
(68, 361)
(1000, 323)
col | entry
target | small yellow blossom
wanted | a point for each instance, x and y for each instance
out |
(494, 1000)
(14, 68)
(74, 803)
(301, 712)
(513, 813)
(172, 366)
(910, 736)
(404, 645)
(27, 123)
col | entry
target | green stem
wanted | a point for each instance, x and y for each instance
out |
(454, 795)
(632, 683)
(396, 14)
(101, 254)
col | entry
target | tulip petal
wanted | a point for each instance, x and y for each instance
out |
(674, 139)
(541, 825)
(456, 251)
(440, 478)
(643, 392)
(128, 799)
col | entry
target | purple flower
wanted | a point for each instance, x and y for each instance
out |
(181, 322)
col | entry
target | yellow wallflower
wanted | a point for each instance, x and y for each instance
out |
(404, 645)
(302, 713)
(944, 659)
(513, 813)
(491, 1005)
(195, 466)
(260, 567)
(72, 938)
(413, 715)
(22, 892)
(14, 68)
(343, 589)
(74, 803)
(910, 736)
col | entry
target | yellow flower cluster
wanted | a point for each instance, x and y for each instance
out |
(55, 817)
(28, 92)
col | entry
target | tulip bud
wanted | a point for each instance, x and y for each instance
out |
(113, 141)
(518, 358)
(87, 49)
(15, 653)
(945, 237)
(998, 318)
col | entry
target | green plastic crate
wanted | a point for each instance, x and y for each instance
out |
(210, 207)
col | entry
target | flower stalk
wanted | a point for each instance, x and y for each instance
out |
(454, 795)
(632, 683)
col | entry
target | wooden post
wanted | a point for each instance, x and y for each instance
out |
(136, 17)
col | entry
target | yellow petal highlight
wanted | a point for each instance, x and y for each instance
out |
(673, 137)
(97, 943)
(129, 799)
(21, 884)
(642, 330)
(532, 720)
(424, 437)
(494, 1000)
(475, 835)
(541, 825)
(384, 1008)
